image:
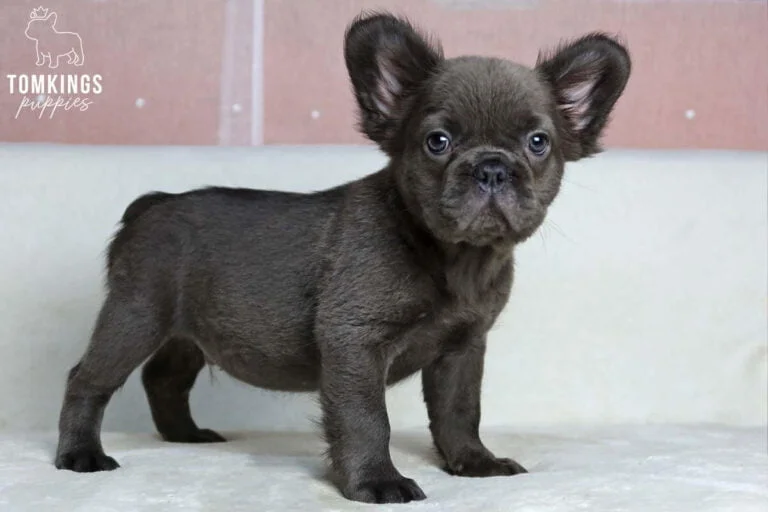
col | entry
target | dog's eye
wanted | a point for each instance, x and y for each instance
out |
(438, 143)
(538, 143)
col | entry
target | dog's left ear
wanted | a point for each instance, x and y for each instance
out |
(587, 76)
(388, 60)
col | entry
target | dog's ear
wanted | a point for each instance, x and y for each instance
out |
(587, 76)
(51, 19)
(387, 61)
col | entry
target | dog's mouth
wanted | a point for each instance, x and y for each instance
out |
(522, 216)
(486, 217)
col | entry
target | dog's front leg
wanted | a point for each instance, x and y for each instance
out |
(452, 393)
(353, 384)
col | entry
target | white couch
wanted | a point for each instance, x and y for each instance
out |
(628, 371)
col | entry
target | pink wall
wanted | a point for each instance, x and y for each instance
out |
(184, 72)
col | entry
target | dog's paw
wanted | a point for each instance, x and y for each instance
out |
(399, 490)
(202, 435)
(205, 435)
(483, 464)
(86, 461)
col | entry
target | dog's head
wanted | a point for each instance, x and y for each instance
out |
(478, 145)
(37, 27)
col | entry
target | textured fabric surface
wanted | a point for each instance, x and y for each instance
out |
(616, 469)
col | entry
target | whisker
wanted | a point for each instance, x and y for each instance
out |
(577, 184)
(552, 224)
(543, 238)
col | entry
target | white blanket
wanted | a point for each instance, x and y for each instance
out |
(616, 469)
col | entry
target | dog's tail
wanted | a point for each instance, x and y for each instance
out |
(134, 210)
(142, 204)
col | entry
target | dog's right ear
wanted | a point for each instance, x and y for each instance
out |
(51, 19)
(387, 61)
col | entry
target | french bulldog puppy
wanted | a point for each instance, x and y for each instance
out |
(348, 290)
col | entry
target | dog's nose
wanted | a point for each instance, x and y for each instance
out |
(491, 173)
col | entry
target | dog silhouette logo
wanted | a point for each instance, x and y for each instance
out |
(51, 44)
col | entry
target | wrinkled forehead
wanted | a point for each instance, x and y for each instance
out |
(486, 94)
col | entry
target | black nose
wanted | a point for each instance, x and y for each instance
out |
(491, 173)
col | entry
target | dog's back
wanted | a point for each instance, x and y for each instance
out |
(221, 217)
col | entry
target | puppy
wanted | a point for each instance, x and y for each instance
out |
(351, 289)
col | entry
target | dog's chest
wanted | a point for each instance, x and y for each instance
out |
(457, 311)
(428, 338)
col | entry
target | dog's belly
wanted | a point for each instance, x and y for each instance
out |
(263, 367)
(284, 356)
(265, 351)
(298, 369)
(302, 374)
(259, 330)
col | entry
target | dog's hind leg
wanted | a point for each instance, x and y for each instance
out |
(129, 329)
(168, 378)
